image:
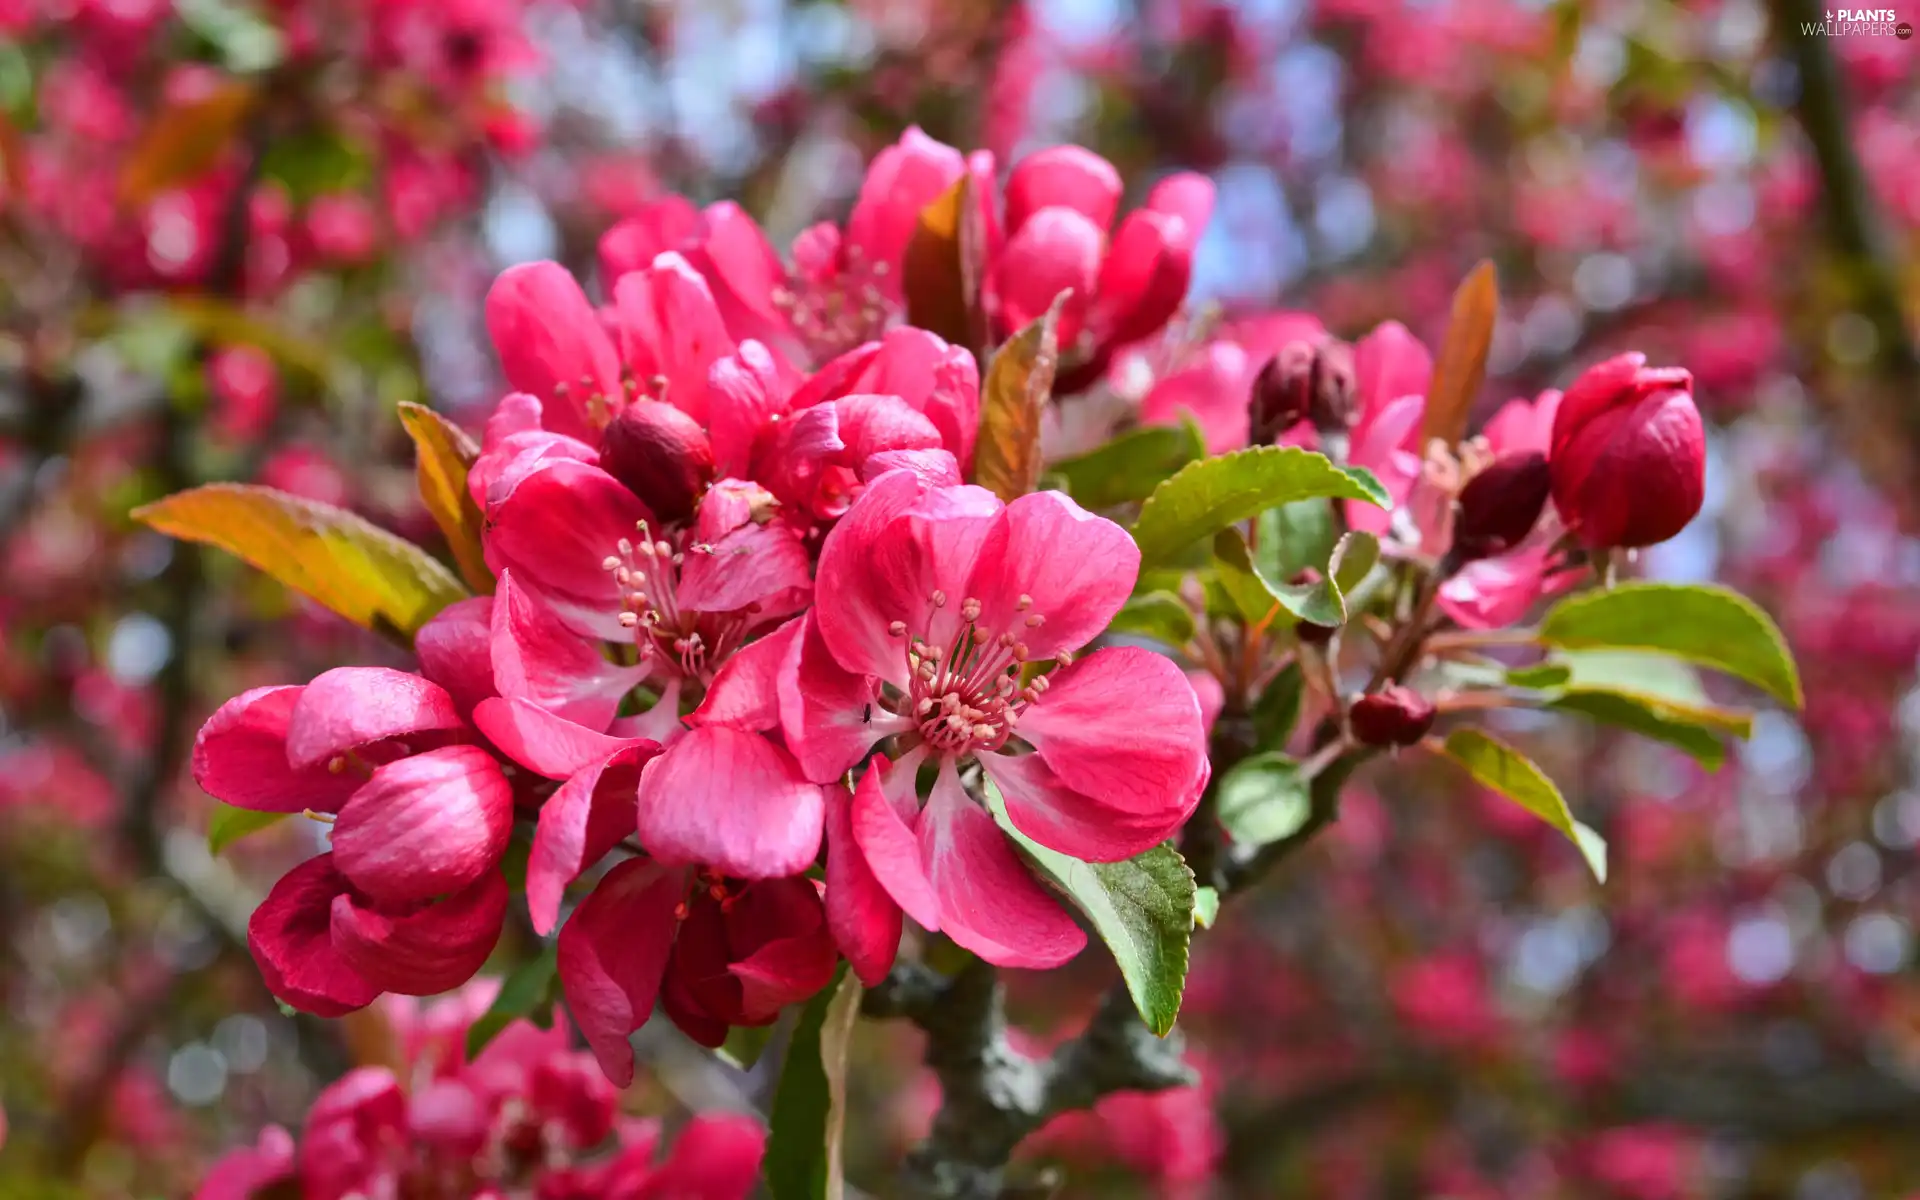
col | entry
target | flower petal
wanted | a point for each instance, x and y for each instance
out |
(1144, 277)
(661, 225)
(349, 707)
(864, 919)
(579, 824)
(1075, 569)
(431, 950)
(887, 842)
(717, 1157)
(551, 343)
(733, 800)
(670, 329)
(901, 181)
(611, 954)
(1056, 816)
(1387, 364)
(990, 903)
(290, 937)
(541, 742)
(555, 532)
(240, 757)
(746, 692)
(1056, 250)
(455, 649)
(1124, 725)
(755, 565)
(1188, 196)
(828, 714)
(425, 826)
(745, 390)
(1069, 176)
(536, 658)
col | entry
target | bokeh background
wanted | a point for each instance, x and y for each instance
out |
(234, 235)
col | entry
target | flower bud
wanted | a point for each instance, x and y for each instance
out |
(1628, 459)
(1393, 716)
(661, 454)
(1500, 505)
(1330, 403)
(1305, 379)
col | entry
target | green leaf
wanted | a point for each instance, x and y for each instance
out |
(1540, 677)
(1206, 907)
(527, 993)
(357, 569)
(796, 1162)
(1207, 496)
(745, 1044)
(1262, 800)
(1130, 466)
(229, 824)
(1278, 709)
(1638, 715)
(1289, 538)
(1013, 393)
(1141, 908)
(1322, 602)
(1161, 616)
(1710, 626)
(245, 41)
(1496, 765)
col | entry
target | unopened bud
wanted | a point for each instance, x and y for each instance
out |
(1393, 716)
(661, 454)
(1628, 457)
(1331, 402)
(1281, 392)
(1500, 505)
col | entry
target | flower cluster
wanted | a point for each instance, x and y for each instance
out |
(526, 1116)
(744, 604)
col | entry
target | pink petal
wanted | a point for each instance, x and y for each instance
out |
(541, 742)
(662, 225)
(793, 453)
(670, 328)
(1264, 335)
(1144, 277)
(349, 707)
(1213, 390)
(855, 607)
(423, 953)
(504, 465)
(550, 343)
(1519, 425)
(579, 825)
(733, 800)
(1056, 816)
(1075, 569)
(886, 838)
(1071, 177)
(535, 658)
(990, 903)
(933, 468)
(425, 826)
(745, 390)
(612, 952)
(743, 271)
(871, 424)
(1187, 196)
(828, 714)
(556, 531)
(1057, 250)
(455, 651)
(1387, 364)
(901, 181)
(290, 937)
(864, 919)
(1493, 593)
(717, 1157)
(764, 568)
(240, 756)
(1124, 725)
(745, 693)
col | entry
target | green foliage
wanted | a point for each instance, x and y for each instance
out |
(1254, 594)
(1205, 497)
(1141, 908)
(1161, 616)
(1496, 765)
(796, 1163)
(229, 824)
(1711, 626)
(1278, 708)
(1131, 466)
(1262, 800)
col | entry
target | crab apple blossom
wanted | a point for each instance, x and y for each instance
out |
(1628, 454)
(936, 607)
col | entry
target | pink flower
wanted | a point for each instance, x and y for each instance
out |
(1214, 383)
(1060, 203)
(932, 602)
(245, 386)
(713, 951)
(1628, 454)
(1391, 372)
(342, 227)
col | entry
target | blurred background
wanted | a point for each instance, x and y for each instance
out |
(234, 235)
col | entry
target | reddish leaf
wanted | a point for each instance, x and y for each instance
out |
(1019, 380)
(1462, 364)
(942, 267)
(184, 140)
(444, 453)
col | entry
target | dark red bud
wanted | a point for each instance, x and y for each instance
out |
(1392, 716)
(1331, 405)
(1281, 392)
(661, 454)
(1499, 506)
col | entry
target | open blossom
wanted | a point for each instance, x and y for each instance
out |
(936, 606)
(528, 1115)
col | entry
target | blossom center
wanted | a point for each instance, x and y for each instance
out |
(836, 309)
(648, 574)
(968, 695)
